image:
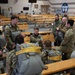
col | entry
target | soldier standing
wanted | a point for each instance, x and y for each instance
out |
(67, 45)
(56, 23)
(10, 31)
(62, 27)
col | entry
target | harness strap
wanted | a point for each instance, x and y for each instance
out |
(29, 49)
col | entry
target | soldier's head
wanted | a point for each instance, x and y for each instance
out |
(47, 43)
(64, 20)
(36, 30)
(14, 19)
(70, 23)
(56, 17)
(19, 39)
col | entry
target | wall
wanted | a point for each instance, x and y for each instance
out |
(54, 5)
(58, 4)
(18, 6)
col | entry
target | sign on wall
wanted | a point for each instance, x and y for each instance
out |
(65, 7)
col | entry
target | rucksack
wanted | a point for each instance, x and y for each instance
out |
(13, 33)
(31, 63)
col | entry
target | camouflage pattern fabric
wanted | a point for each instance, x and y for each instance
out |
(11, 61)
(55, 25)
(34, 39)
(8, 30)
(49, 53)
(67, 44)
(63, 28)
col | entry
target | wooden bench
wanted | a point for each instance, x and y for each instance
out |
(67, 74)
(4, 74)
(23, 26)
(59, 66)
(27, 39)
(41, 32)
(41, 19)
(47, 35)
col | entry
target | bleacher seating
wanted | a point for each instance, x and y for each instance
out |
(59, 66)
(23, 26)
(47, 35)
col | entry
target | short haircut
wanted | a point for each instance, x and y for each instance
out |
(13, 17)
(57, 15)
(47, 43)
(19, 39)
(36, 28)
(64, 17)
(71, 22)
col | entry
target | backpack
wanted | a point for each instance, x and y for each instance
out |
(13, 33)
(58, 38)
(29, 61)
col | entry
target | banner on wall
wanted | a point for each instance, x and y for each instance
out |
(65, 7)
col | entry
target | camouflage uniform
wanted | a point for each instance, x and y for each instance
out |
(35, 38)
(48, 52)
(67, 44)
(11, 61)
(8, 32)
(63, 28)
(2, 44)
(1, 65)
(55, 25)
(73, 53)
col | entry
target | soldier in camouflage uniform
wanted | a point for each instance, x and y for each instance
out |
(60, 32)
(36, 38)
(62, 27)
(56, 23)
(49, 52)
(11, 61)
(67, 45)
(73, 53)
(8, 31)
(2, 44)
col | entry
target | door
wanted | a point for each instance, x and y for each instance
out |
(44, 9)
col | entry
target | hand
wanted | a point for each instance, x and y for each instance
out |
(13, 46)
(52, 24)
(24, 35)
(57, 28)
(54, 47)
